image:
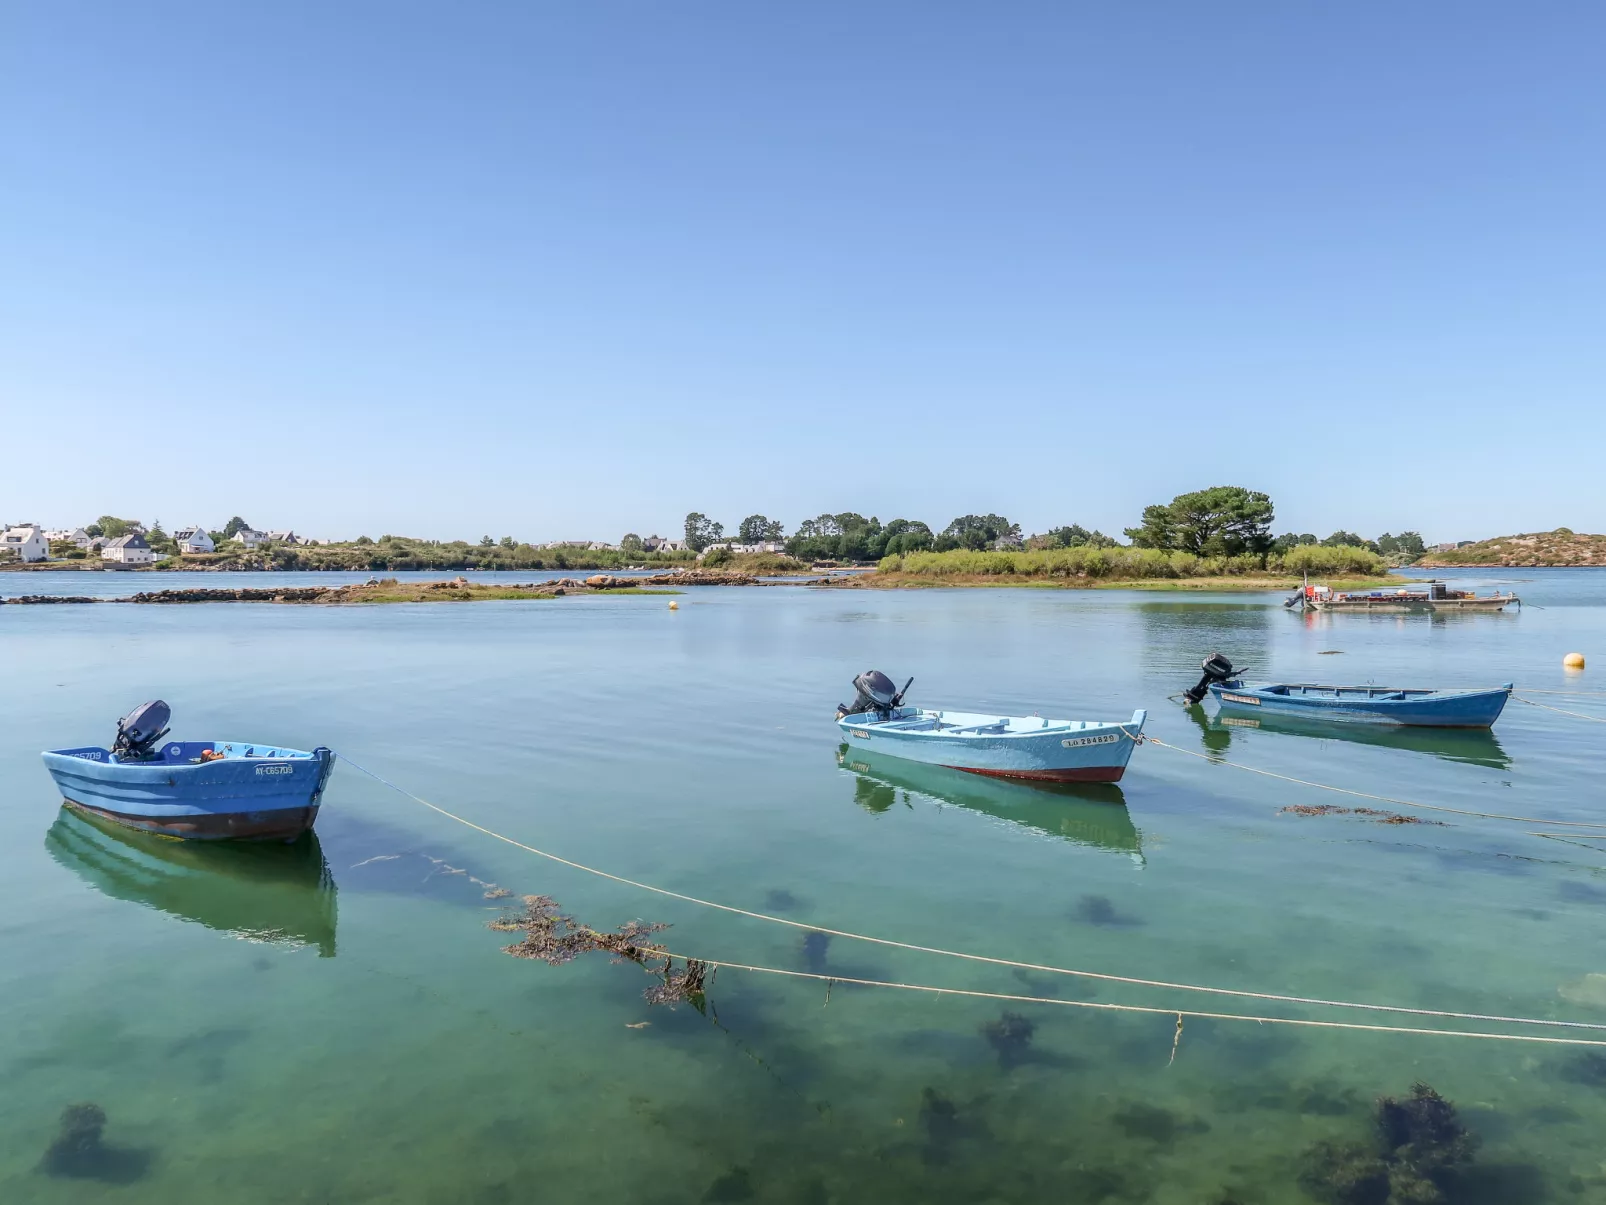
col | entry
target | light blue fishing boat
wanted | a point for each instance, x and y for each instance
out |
(1024, 747)
(203, 790)
(1407, 706)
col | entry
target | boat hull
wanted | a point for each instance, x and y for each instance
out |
(1388, 606)
(250, 793)
(1057, 751)
(1367, 705)
(282, 824)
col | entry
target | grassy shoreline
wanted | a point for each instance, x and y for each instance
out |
(1244, 583)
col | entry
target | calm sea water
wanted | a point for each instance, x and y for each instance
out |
(337, 1024)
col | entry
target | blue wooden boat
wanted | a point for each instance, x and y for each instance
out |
(1024, 747)
(1409, 706)
(205, 790)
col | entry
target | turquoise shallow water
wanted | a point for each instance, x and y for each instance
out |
(338, 1025)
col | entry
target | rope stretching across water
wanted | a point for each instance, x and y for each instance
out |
(1562, 711)
(968, 957)
(1403, 803)
(1150, 1009)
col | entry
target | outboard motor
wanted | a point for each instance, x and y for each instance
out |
(875, 693)
(1216, 669)
(139, 732)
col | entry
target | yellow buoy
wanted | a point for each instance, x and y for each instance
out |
(675, 606)
(1573, 661)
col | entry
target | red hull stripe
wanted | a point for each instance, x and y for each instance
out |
(1083, 774)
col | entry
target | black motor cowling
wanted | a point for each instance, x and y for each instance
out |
(875, 693)
(1216, 669)
(139, 732)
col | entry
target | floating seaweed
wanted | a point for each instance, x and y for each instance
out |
(1332, 809)
(554, 938)
(680, 986)
(79, 1151)
(1422, 1150)
(1010, 1036)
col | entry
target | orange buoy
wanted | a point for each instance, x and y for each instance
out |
(673, 605)
(1573, 661)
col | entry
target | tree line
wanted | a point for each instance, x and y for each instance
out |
(1224, 520)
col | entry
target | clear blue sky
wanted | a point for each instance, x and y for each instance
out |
(574, 269)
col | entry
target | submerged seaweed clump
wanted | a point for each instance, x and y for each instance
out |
(1010, 1036)
(78, 1150)
(815, 946)
(939, 1118)
(1422, 1149)
(554, 938)
(1098, 910)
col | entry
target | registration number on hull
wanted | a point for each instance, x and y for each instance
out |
(276, 769)
(1249, 699)
(1076, 742)
(860, 733)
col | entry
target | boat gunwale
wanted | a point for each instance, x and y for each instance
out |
(1055, 728)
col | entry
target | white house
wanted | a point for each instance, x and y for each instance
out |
(283, 537)
(128, 550)
(761, 546)
(27, 541)
(194, 539)
(77, 537)
(250, 538)
(660, 544)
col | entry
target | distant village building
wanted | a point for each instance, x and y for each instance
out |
(27, 541)
(77, 537)
(662, 544)
(249, 537)
(128, 550)
(283, 537)
(194, 539)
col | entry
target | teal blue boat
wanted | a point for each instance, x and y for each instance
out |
(1032, 748)
(1406, 706)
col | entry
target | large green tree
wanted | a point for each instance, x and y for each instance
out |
(701, 531)
(755, 529)
(234, 526)
(1224, 520)
(1073, 536)
(111, 526)
(977, 532)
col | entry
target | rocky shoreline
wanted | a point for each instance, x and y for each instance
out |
(390, 590)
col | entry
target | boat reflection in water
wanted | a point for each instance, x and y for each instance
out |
(1086, 813)
(267, 891)
(1474, 746)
